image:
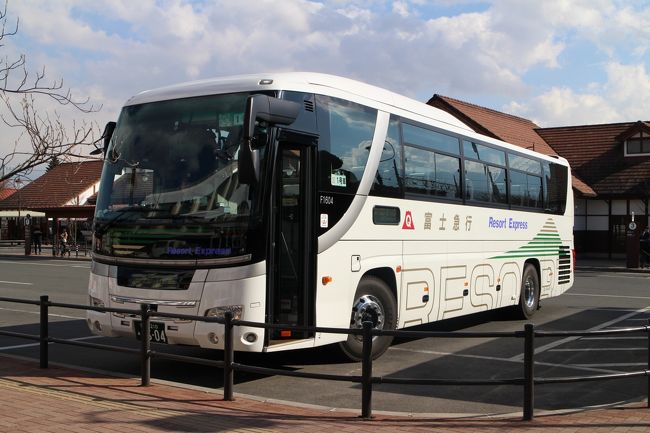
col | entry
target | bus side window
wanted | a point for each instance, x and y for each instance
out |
(517, 188)
(448, 176)
(346, 132)
(555, 187)
(389, 178)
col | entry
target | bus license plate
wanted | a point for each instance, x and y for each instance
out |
(156, 329)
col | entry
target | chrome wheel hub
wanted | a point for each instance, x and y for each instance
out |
(529, 293)
(368, 308)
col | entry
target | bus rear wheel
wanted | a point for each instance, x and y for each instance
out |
(529, 296)
(374, 302)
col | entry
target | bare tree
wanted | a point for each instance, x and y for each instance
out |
(42, 135)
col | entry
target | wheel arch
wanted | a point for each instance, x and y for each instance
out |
(536, 265)
(387, 275)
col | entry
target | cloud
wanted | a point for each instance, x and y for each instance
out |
(401, 8)
(562, 106)
(490, 51)
(620, 99)
(627, 87)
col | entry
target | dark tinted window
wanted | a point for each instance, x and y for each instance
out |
(525, 190)
(389, 177)
(431, 173)
(484, 182)
(523, 163)
(430, 139)
(555, 187)
(346, 130)
(386, 215)
(483, 153)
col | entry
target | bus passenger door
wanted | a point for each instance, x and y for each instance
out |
(292, 292)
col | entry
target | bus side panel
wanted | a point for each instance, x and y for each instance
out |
(421, 294)
(346, 262)
(99, 323)
(470, 275)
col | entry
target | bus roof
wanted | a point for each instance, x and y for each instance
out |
(331, 85)
(325, 84)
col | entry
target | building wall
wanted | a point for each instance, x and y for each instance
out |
(601, 226)
(81, 198)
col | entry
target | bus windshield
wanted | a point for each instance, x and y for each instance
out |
(170, 187)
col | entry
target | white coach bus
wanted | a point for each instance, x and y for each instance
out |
(309, 199)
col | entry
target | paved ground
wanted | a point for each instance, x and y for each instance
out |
(64, 400)
(60, 399)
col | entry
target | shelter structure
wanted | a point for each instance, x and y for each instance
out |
(56, 199)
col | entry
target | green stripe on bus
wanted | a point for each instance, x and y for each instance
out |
(512, 256)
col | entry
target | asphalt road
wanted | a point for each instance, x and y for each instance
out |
(598, 300)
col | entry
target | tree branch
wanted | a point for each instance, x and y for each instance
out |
(43, 135)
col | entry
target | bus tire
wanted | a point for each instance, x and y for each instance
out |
(373, 301)
(529, 296)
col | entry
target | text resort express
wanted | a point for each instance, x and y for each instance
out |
(198, 251)
(507, 223)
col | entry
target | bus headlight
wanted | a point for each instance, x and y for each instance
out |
(220, 312)
(96, 302)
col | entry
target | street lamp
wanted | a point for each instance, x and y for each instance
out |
(18, 184)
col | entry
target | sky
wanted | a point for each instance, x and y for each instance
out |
(555, 62)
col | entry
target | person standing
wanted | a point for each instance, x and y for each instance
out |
(37, 237)
(645, 247)
(64, 242)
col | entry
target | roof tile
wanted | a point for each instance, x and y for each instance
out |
(596, 154)
(56, 187)
(6, 192)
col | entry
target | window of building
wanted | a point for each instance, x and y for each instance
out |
(637, 145)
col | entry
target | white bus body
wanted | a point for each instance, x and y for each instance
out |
(368, 206)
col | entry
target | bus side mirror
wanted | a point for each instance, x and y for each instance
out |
(248, 164)
(269, 110)
(261, 111)
(106, 136)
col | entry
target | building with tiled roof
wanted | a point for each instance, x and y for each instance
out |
(598, 155)
(610, 165)
(62, 192)
(66, 184)
(614, 159)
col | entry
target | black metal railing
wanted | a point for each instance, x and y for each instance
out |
(366, 379)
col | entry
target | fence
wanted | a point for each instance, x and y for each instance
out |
(367, 380)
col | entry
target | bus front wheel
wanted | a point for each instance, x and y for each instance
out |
(529, 296)
(374, 302)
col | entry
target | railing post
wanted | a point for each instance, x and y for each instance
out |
(647, 330)
(228, 358)
(45, 334)
(366, 371)
(145, 368)
(529, 371)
